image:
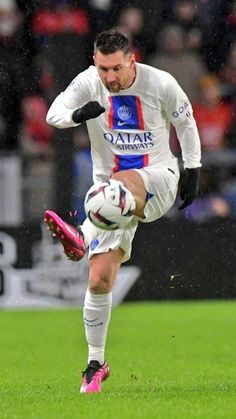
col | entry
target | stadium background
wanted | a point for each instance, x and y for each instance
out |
(43, 45)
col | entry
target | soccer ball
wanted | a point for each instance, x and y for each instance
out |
(109, 205)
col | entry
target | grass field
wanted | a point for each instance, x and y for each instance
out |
(168, 360)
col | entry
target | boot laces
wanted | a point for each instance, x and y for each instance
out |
(91, 370)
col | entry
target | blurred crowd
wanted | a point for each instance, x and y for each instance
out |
(45, 43)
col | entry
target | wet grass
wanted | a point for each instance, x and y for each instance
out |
(168, 360)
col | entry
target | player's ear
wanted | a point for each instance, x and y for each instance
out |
(94, 59)
(132, 59)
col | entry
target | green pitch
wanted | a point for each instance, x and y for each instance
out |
(168, 360)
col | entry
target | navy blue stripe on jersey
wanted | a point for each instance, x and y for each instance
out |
(125, 113)
(130, 161)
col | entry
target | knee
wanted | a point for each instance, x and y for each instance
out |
(99, 284)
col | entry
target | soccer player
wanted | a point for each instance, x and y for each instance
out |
(128, 108)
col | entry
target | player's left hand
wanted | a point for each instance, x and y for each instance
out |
(189, 187)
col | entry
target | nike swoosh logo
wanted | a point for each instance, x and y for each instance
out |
(90, 321)
(120, 123)
(70, 229)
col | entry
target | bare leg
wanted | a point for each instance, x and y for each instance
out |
(134, 182)
(103, 269)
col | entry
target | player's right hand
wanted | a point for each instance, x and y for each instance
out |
(89, 111)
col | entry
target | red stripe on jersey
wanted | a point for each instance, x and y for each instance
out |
(145, 160)
(111, 113)
(140, 113)
(116, 161)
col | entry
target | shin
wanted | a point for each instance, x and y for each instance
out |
(98, 302)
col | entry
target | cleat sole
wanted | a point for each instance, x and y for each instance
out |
(72, 250)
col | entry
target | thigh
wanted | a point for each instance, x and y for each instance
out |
(134, 182)
(161, 184)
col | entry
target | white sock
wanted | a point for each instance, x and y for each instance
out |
(89, 231)
(97, 313)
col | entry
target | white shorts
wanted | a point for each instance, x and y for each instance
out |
(161, 184)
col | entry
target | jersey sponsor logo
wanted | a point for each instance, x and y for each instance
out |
(126, 112)
(130, 141)
(178, 112)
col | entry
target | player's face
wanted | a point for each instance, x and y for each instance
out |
(117, 70)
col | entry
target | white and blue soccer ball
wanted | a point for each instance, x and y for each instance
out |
(109, 205)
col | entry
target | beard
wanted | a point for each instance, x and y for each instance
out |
(114, 88)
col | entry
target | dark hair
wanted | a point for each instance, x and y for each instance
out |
(110, 41)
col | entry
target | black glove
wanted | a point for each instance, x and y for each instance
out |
(88, 111)
(189, 187)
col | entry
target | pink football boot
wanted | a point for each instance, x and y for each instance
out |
(93, 377)
(71, 239)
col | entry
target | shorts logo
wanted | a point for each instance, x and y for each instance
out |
(125, 113)
(94, 244)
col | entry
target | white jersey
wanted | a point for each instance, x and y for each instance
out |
(133, 132)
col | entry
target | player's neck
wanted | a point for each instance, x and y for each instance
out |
(131, 80)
